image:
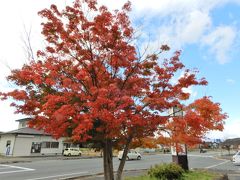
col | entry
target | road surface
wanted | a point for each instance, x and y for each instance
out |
(60, 169)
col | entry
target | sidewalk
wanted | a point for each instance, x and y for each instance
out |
(11, 159)
(20, 159)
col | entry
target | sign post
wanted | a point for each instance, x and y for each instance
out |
(179, 151)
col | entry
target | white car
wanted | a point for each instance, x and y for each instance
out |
(130, 155)
(72, 152)
(236, 158)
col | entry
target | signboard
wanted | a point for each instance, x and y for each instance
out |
(180, 150)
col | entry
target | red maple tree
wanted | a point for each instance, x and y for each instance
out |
(91, 83)
(193, 122)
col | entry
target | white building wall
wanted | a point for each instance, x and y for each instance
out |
(21, 145)
(3, 142)
(52, 150)
(22, 124)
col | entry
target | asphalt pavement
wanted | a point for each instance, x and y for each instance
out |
(59, 167)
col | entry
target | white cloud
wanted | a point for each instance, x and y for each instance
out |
(230, 131)
(184, 22)
(231, 81)
(8, 117)
(193, 94)
(185, 28)
(220, 42)
(196, 24)
(176, 30)
(168, 7)
(190, 23)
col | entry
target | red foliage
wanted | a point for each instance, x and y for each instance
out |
(90, 82)
(198, 118)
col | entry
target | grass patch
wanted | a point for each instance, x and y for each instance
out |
(146, 177)
(200, 175)
(190, 175)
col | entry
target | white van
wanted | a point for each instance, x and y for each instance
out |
(72, 152)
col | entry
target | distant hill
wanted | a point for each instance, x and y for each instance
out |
(234, 141)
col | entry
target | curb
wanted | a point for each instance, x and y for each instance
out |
(13, 160)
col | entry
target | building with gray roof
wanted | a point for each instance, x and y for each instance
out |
(26, 141)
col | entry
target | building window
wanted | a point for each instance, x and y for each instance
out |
(24, 124)
(45, 144)
(50, 144)
(8, 143)
(54, 144)
(36, 147)
(8, 147)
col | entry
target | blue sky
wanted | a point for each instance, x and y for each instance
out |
(207, 32)
(223, 78)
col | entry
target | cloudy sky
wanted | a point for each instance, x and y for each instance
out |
(207, 32)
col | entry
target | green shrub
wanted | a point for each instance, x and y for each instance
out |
(166, 171)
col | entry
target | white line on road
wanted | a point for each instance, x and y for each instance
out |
(192, 155)
(195, 155)
(17, 167)
(21, 169)
(59, 175)
(17, 171)
(215, 165)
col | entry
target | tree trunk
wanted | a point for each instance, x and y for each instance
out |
(123, 160)
(107, 160)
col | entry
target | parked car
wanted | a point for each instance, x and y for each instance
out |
(236, 158)
(130, 155)
(203, 150)
(166, 149)
(72, 152)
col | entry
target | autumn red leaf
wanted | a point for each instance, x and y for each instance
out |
(91, 83)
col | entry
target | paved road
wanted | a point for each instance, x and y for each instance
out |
(60, 169)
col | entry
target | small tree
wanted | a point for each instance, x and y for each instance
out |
(90, 82)
(197, 119)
